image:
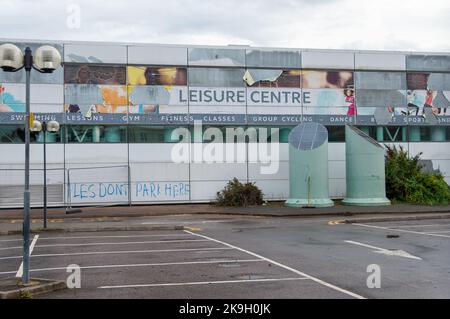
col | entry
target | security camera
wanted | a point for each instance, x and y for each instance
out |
(11, 57)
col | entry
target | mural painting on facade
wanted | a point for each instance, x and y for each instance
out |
(90, 99)
(428, 91)
(153, 88)
(10, 100)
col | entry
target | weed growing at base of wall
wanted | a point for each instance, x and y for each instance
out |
(406, 182)
(238, 194)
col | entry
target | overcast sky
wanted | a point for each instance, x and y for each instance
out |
(419, 25)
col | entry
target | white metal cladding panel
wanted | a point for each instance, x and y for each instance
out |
(46, 108)
(205, 190)
(327, 60)
(158, 55)
(433, 150)
(275, 189)
(12, 196)
(95, 53)
(442, 165)
(255, 171)
(380, 61)
(96, 154)
(47, 93)
(337, 187)
(218, 171)
(152, 152)
(14, 154)
(145, 192)
(336, 169)
(336, 151)
(274, 151)
(17, 176)
(231, 152)
(159, 171)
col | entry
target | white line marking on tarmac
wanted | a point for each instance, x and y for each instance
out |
(10, 248)
(121, 252)
(128, 236)
(188, 222)
(438, 232)
(397, 252)
(33, 243)
(400, 230)
(201, 283)
(123, 243)
(431, 225)
(10, 240)
(146, 265)
(283, 266)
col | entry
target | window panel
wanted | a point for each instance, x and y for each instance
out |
(216, 56)
(327, 79)
(144, 75)
(94, 74)
(12, 134)
(380, 98)
(380, 80)
(273, 58)
(272, 78)
(96, 134)
(428, 63)
(215, 77)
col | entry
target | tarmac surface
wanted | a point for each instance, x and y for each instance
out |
(220, 256)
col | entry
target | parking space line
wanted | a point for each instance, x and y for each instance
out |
(33, 243)
(11, 248)
(122, 243)
(203, 283)
(438, 232)
(400, 230)
(324, 283)
(186, 222)
(224, 261)
(122, 252)
(412, 226)
(10, 240)
(128, 236)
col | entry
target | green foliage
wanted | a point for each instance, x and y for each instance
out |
(237, 194)
(406, 182)
(25, 294)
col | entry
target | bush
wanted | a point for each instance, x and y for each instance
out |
(406, 182)
(237, 194)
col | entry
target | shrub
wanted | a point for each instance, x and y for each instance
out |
(406, 182)
(237, 194)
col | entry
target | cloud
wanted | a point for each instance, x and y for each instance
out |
(350, 24)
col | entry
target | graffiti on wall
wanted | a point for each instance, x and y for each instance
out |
(118, 191)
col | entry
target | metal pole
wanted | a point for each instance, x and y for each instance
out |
(26, 195)
(44, 129)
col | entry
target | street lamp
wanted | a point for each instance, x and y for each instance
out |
(52, 127)
(46, 60)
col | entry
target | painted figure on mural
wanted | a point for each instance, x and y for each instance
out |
(350, 98)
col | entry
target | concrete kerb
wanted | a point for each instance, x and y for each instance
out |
(42, 286)
(94, 229)
(395, 219)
